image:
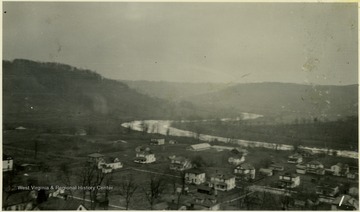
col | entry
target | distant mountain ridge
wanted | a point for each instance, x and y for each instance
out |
(268, 98)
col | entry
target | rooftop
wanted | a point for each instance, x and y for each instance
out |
(201, 146)
(95, 155)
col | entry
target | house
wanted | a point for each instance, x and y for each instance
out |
(340, 169)
(315, 167)
(173, 142)
(19, 200)
(288, 180)
(352, 175)
(327, 190)
(161, 206)
(107, 166)
(276, 167)
(295, 158)
(236, 157)
(238, 150)
(145, 157)
(54, 203)
(7, 163)
(266, 172)
(95, 158)
(347, 203)
(305, 153)
(222, 182)
(201, 202)
(245, 171)
(180, 163)
(157, 141)
(142, 149)
(301, 168)
(27, 167)
(199, 147)
(205, 190)
(195, 176)
(354, 191)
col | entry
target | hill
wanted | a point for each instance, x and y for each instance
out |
(52, 93)
(323, 101)
(174, 90)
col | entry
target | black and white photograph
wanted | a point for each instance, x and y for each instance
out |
(180, 106)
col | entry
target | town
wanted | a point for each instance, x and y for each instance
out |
(174, 173)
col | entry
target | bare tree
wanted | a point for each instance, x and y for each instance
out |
(144, 127)
(66, 175)
(127, 189)
(153, 189)
(91, 176)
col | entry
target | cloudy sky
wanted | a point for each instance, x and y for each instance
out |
(190, 42)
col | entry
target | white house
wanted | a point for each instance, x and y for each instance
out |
(157, 141)
(288, 180)
(340, 169)
(199, 147)
(295, 158)
(195, 176)
(222, 182)
(245, 171)
(315, 167)
(179, 163)
(145, 157)
(7, 163)
(301, 168)
(108, 166)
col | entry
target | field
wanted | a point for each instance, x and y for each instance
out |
(341, 134)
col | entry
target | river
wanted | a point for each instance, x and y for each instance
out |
(164, 127)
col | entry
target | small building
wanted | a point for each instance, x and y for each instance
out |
(301, 168)
(222, 182)
(199, 147)
(315, 167)
(145, 157)
(161, 206)
(95, 158)
(81, 132)
(288, 180)
(20, 128)
(347, 203)
(245, 171)
(201, 202)
(27, 167)
(295, 158)
(54, 203)
(205, 190)
(195, 176)
(238, 150)
(7, 163)
(354, 191)
(340, 169)
(107, 166)
(19, 200)
(276, 167)
(236, 157)
(305, 153)
(327, 190)
(352, 175)
(157, 141)
(142, 149)
(180, 163)
(266, 172)
(173, 142)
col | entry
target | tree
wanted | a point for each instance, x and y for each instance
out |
(153, 189)
(66, 175)
(144, 127)
(91, 176)
(128, 187)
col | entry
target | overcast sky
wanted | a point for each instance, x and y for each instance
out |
(190, 42)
